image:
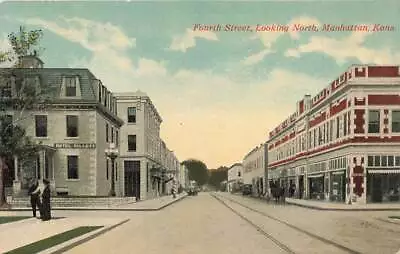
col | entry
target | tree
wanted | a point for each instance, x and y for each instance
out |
(197, 171)
(217, 176)
(20, 97)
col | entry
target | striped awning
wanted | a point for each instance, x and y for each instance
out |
(384, 171)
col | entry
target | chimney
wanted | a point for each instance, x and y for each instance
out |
(30, 61)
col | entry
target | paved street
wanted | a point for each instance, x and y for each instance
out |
(202, 224)
(235, 224)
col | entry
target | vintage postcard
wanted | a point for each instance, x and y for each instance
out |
(185, 127)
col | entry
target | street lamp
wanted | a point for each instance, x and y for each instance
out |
(112, 153)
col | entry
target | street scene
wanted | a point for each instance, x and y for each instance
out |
(149, 127)
(187, 227)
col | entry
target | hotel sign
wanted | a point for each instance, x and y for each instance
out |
(75, 145)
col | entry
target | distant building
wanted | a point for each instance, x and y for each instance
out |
(343, 144)
(254, 169)
(183, 176)
(235, 177)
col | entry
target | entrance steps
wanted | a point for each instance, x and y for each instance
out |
(24, 202)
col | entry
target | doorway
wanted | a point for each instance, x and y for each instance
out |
(132, 178)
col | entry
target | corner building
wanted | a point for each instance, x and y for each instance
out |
(343, 144)
(71, 130)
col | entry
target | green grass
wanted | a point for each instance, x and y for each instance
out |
(53, 240)
(8, 219)
(394, 217)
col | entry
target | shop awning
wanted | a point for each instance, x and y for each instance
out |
(315, 176)
(384, 171)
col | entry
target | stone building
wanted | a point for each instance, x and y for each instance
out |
(235, 177)
(147, 166)
(254, 169)
(74, 130)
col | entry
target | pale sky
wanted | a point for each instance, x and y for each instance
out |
(219, 93)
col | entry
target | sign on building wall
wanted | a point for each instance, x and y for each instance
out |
(75, 145)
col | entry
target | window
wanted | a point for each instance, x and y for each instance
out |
(100, 88)
(72, 167)
(5, 88)
(391, 160)
(41, 125)
(348, 123)
(370, 161)
(132, 143)
(345, 125)
(337, 127)
(6, 122)
(384, 161)
(116, 171)
(107, 132)
(116, 138)
(397, 160)
(70, 86)
(373, 124)
(395, 121)
(131, 115)
(112, 134)
(72, 126)
(239, 174)
(107, 168)
(377, 162)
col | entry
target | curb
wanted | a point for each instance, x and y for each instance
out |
(99, 209)
(343, 209)
(334, 209)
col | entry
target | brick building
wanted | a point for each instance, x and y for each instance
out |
(343, 144)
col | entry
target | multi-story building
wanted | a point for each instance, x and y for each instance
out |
(147, 166)
(343, 144)
(71, 129)
(183, 176)
(235, 177)
(255, 169)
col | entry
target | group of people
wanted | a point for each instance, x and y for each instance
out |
(40, 199)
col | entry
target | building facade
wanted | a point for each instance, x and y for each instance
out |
(343, 144)
(183, 177)
(255, 168)
(71, 129)
(147, 166)
(235, 177)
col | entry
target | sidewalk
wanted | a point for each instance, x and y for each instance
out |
(146, 205)
(325, 205)
(33, 230)
(20, 233)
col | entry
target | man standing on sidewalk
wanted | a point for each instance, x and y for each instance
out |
(34, 192)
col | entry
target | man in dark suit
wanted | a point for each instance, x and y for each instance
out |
(46, 213)
(34, 192)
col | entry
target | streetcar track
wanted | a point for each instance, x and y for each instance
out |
(259, 229)
(344, 248)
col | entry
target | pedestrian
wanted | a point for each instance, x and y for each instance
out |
(34, 192)
(46, 213)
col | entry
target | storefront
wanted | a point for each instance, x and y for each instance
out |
(383, 185)
(338, 186)
(316, 186)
